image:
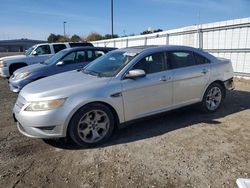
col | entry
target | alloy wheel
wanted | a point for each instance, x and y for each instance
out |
(93, 126)
(213, 98)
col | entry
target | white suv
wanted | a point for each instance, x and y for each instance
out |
(36, 54)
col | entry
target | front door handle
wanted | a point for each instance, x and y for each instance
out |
(204, 71)
(164, 78)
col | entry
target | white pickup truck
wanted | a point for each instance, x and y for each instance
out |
(36, 54)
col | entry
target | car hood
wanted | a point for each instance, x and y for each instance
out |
(13, 57)
(32, 68)
(62, 85)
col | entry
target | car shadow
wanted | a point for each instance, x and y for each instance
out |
(235, 101)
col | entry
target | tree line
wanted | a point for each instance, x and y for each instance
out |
(76, 38)
(94, 36)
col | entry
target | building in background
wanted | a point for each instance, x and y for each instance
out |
(18, 45)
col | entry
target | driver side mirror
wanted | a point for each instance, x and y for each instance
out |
(136, 73)
(34, 53)
(59, 63)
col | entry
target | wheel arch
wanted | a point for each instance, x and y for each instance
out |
(220, 82)
(117, 119)
(23, 64)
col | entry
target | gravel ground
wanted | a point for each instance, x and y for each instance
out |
(183, 148)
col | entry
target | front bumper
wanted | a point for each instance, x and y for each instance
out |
(4, 72)
(17, 85)
(41, 124)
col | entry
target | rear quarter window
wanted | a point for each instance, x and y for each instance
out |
(200, 59)
(99, 53)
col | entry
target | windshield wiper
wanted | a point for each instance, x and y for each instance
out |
(91, 72)
(80, 69)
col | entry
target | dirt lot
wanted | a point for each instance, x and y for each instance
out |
(184, 148)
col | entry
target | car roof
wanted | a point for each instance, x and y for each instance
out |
(139, 49)
(47, 43)
(89, 48)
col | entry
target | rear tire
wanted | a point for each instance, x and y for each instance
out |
(92, 125)
(213, 98)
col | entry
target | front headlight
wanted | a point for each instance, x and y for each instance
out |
(22, 75)
(45, 105)
(3, 64)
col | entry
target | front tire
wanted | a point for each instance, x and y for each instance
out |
(92, 125)
(213, 98)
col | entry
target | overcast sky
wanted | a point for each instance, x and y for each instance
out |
(37, 19)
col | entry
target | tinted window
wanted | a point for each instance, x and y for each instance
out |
(90, 55)
(109, 64)
(80, 44)
(55, 58)
(152, 63)
(99, 53)
(58, 47)
(70, 58)
(181, 59)
(200, 59)
(45, 49)
(80, 57)
(28, 52)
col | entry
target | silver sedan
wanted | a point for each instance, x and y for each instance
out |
(121, 86)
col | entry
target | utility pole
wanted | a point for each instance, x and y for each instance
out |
(112, 20)
(64, 33)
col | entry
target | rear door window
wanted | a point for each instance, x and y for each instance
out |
(58, 47)
(80, 57)
(90, 55)
(179, 59)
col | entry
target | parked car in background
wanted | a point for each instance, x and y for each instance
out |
(119, 87)
(36, 54)
(65, 60)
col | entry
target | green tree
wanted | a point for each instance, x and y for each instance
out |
(108, 36)
(158, 30)
(75, 38)
(94, 36)
(146, 32)
(62, 38)
(53, 38)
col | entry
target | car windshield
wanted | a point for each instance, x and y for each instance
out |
(55, 57)
(110, 64)
(28, 52)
